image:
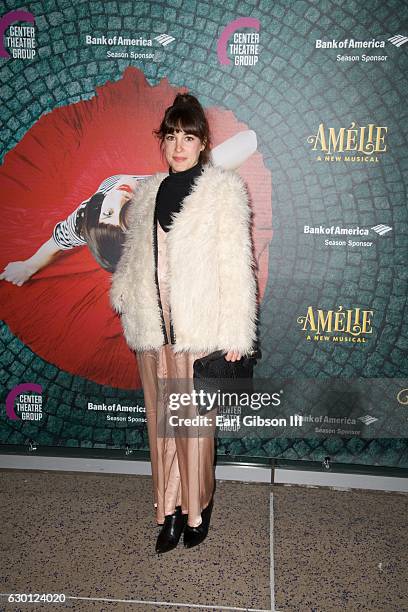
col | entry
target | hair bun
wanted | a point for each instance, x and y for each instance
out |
(185, 99)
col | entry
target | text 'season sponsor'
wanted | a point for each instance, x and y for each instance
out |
(118, 412)
(358, 48)
(123, 47)
(337, 236)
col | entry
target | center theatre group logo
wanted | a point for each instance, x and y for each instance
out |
(356, 143)
(340, 325)
(20, 41)
(26, 398)
(244, 46)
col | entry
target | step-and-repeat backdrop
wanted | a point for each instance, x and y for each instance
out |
(307, 101)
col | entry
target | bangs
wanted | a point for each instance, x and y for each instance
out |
(184, 119)
(186, 114)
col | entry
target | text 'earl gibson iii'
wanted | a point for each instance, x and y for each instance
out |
(295, 420)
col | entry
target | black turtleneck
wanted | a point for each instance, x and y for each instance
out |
(172, 191)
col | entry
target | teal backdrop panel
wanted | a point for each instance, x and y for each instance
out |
(323, 86)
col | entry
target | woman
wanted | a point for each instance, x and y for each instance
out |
(100, 221)
(189, 254)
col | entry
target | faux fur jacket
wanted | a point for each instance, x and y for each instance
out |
(211, 278)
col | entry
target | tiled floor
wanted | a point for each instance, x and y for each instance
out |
(93, 535)
(340, 550)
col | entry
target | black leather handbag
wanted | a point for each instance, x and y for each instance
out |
(213, 373)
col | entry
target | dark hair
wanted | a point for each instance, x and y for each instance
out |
(187, 114)
(104, 241)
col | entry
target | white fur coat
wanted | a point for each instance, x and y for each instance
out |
(211, 276)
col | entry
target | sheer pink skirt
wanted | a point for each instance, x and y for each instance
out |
(182, 467)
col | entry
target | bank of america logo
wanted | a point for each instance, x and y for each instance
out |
(381, 229)
(367, 419)
(398, 40)
(164, 39)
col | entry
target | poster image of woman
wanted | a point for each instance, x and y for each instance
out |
(101, 221)
(94, 147)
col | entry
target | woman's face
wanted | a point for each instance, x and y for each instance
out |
(182, 150)
(114, 201)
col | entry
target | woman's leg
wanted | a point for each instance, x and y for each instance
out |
(163, 457)
(195, 449)
(196, 460)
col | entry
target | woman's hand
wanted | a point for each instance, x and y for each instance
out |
(17, 272)
(233, 356)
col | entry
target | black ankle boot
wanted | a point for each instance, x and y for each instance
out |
(195, 535)
(171, 531)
